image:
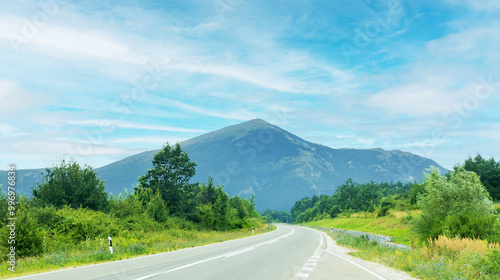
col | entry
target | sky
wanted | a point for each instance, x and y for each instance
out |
(98, 82)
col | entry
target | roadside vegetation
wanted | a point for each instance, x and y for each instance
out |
(395, 224)
(450, 221)
(68, 219)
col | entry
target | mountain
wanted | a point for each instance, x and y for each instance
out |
(279, 167)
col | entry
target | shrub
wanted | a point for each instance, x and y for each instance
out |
(122, 207)
(335, 211)
(497, 208)
(459, 206)
(81, 224)
(46, 217)
(70, 184)
(28, 236)
(156, 209)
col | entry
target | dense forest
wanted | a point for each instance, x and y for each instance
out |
(459, 203)
(71, 206)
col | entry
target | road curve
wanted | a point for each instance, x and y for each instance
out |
(290, 252)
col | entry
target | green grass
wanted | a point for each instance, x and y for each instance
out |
(395, 224)
(97, 251)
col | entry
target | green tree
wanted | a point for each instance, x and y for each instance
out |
(170, 175)
(70, 184)
(488, 171)
(454, 206)
(212, 206)
(156, 209)
(126, 206)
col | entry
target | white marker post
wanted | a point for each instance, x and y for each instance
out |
(110, 245)
(331, 229)
(253, 231)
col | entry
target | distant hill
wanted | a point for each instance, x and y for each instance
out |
(279, 167)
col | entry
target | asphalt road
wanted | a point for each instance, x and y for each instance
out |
(290, 252)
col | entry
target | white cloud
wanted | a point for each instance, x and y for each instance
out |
(109, 124)
(469, 45)
(8, 131)
(415, 100)
(14, 100)
(243, 114)
(150, 140)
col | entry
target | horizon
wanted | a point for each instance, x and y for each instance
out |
(103, 81)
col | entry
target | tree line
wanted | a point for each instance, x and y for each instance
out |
(459, 203)
(71, 204)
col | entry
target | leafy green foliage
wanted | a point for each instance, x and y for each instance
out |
(212, 209)
(4, 207)
(28, 237)
(488, 171)
(70, 184)
(352, 197)
(457, 205)
(170, 175)
(277, 216)
(156, 209)
(126, 206)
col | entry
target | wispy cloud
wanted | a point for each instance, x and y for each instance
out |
(107, 124)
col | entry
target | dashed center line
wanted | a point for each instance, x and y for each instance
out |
(302, 275)
(309, 265)
(311, 262)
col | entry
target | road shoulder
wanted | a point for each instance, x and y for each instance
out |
(334, 255)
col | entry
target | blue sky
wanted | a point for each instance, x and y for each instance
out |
(102, 81)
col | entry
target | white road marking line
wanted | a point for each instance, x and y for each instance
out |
(308, 268)
(214, 258)
(302, 275)
(360, 266)
(239, 252)
(313, 260)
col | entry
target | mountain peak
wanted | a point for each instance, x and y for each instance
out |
(256, 121)
(233, 131)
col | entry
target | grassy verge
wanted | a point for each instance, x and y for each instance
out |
(443, 259)
(395, 224)
(96, 250)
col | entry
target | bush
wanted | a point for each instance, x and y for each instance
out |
(335, 211)
(459, 206)
(156, 209)
(122, 207)
(28, 236)
(497, 208)
(82, 224)
(469, 226)
(70, 184)
(46, 217)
